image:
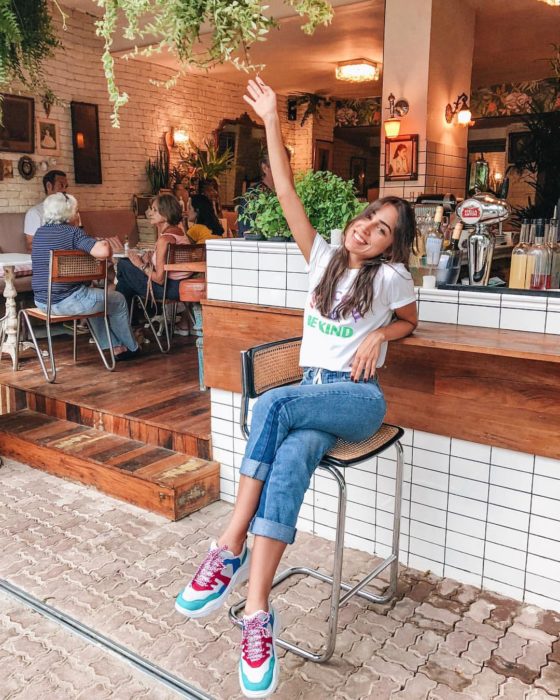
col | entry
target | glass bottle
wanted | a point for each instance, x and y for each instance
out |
(519, 259)
(434, 239)
(449, 266)
(539, 252)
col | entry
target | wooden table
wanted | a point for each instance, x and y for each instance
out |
(486, 385)
(8, 333)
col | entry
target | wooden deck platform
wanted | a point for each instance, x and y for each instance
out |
(140, 433)
(155, 399)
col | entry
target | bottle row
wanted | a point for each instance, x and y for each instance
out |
(535, 260)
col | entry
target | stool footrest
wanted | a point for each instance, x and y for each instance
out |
(352, 590)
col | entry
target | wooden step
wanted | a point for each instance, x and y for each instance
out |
(161, 480)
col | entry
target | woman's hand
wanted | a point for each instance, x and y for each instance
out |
(261, 98)
(365, 359)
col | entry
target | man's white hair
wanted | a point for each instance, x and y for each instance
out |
(59, 208)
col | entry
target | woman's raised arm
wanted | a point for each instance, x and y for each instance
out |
(263, 101)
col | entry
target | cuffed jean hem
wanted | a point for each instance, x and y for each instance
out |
(254, 468)
(272, 529)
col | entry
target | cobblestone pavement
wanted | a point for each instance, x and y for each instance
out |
(117, 569)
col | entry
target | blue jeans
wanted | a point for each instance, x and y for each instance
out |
(292, 428)
(132, 281)
(89, 300)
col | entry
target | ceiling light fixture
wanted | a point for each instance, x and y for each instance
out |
(554, 3)
(359, 70)
(461, 110)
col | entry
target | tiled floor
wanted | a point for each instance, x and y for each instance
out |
(117, 569)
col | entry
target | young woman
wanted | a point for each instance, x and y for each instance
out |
(364, 291)
(136, 273)
(202, 219)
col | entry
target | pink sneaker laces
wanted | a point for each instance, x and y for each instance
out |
(256, 641)
(209, 569)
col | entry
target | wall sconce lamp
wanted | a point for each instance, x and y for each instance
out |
(80, 140)
(461, 109)
(397, 110)
(176, 137)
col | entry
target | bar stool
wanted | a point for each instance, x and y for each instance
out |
(276, 364)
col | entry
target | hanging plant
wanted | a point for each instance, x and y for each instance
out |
(176, 26)
(27, 39)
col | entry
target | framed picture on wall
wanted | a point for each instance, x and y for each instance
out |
(358, 174)
(85, 142)
(401, 158)
(519, 146)
(48, 136)
(323, 155)
(17, 131)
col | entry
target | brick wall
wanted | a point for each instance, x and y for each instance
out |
(199, 103)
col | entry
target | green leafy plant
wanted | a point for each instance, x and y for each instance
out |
(329, 202)
(207, 163)
(27, 39)
(157, 171)
(177, 26)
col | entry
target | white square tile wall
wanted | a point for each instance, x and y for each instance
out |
(485, 516)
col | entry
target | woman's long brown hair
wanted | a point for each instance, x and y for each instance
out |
(360, 297)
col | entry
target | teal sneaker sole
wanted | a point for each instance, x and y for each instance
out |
(239, 577)
(275, 674)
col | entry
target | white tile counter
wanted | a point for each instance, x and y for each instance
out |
(478, 513)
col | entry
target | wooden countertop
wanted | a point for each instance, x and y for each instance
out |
(444, 336)
(485, 341)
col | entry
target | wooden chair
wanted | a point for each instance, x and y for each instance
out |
(192, 290)
(67, 266)
(271, 365)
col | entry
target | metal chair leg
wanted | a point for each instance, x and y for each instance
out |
(336, 579)
(49, 376)
(75, 341)
(112, 362)
(140, 302)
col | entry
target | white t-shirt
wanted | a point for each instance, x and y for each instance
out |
(332, 344)
(33, 219)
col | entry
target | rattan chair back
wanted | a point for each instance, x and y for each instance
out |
(185, 253)
(76, 266)
(271, 365)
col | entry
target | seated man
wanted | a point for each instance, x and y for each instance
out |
(54, 181)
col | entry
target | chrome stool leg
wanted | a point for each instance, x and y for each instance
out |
(336, 579)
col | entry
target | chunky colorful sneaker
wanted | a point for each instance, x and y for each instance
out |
(258, 666)
(214, 580)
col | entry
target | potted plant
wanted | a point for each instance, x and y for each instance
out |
(157, 171)
(329, 202)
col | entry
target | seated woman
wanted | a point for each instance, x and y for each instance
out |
(138, 273)
(60, 232)
(203, 224)
(202, 220)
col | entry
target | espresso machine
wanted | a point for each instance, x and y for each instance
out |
(481, 211)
